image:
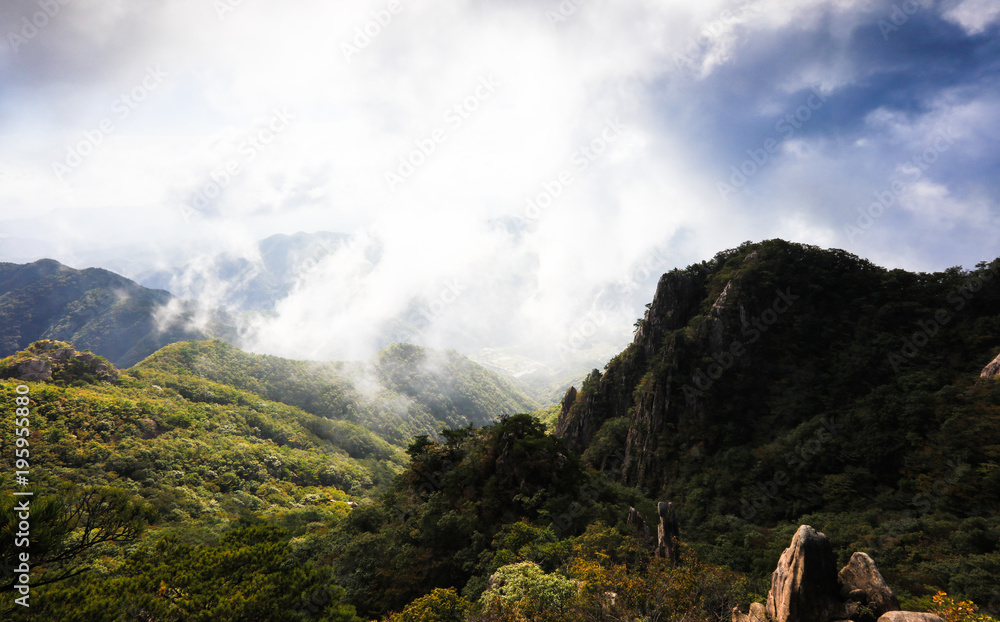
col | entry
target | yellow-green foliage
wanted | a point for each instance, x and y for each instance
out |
(522, 591)
(441, 605)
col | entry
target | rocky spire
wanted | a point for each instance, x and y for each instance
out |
(669, 541)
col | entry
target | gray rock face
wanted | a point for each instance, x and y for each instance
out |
(33, 370)
(804, 586)
(992, 370)
(860, 574)
(909, 616)
(673, 304)
(669, 541)
(578, 425)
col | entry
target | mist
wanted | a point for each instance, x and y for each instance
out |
(507, 179)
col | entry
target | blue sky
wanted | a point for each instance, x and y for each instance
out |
(546, 155)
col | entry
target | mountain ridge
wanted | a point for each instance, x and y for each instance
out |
(95, 309)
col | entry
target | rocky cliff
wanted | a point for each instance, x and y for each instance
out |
(763, 346)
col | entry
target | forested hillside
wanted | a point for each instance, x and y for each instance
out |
(95, 310)
(782, 383)
(404, 391)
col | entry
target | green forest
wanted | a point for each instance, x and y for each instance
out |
(772, 386)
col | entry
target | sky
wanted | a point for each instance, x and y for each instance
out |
(519, 172)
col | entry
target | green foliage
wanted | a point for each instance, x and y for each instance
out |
(406, 391)
(441, 605)
(518, 591)
(245, 576)
(68, 528)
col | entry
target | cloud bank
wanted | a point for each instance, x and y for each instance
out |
(515, 173)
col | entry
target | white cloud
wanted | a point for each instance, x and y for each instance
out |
(553, 89)
(975, 16)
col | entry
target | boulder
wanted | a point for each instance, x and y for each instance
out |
(909, 616)
(992, 370)
(32, 370)
(804, 586)
(861, 575)
(757, 613)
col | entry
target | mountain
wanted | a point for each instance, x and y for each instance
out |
(779, 380)
(248, 283)
(95, 309)
(404, 391)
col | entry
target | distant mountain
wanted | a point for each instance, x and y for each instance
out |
(96, 310)
(252, 283)
(403, 392)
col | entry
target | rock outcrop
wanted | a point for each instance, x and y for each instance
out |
(47, 359)
(806, 587)
(31, 370)
(669, 537)
(639, 526)
(861, 575)
(992, 370)
(909, 616)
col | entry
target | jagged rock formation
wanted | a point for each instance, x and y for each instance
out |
(47, 359)
(860, 578)
(669, 537)
(992, 370)
(805, 587)
(636, 522)
(653, 402)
